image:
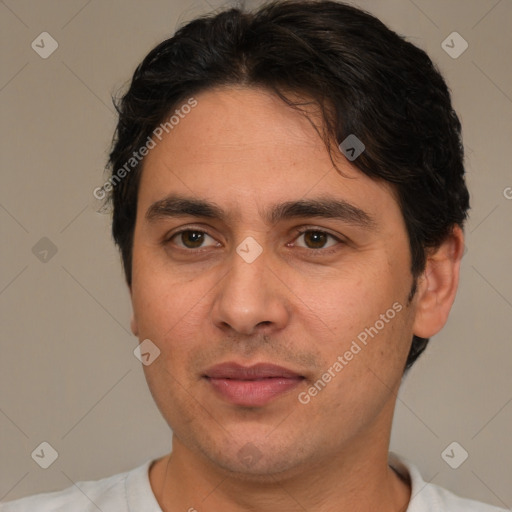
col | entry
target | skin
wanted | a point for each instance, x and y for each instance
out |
(299, 304)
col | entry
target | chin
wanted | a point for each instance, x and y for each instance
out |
(257, 460)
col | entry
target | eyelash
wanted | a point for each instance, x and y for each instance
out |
(298, 233)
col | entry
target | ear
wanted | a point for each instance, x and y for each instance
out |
(134, 326)
(438, 285)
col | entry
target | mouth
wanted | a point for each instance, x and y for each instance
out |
(251, 386)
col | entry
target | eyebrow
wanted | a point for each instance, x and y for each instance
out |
(323, 207)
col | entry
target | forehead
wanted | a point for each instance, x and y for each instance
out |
(246, 147)
(237, 124)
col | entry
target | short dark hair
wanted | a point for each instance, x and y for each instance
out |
(366, 80)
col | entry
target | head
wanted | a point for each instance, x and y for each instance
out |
(238, 118)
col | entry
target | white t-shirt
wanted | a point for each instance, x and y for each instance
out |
(131, 492)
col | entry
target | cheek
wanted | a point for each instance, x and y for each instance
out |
(173, 314)
(364, 367)
(364, 317)
(161, 300)
(169, 318)
(348, 302)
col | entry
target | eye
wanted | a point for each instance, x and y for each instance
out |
(316, 239)
(191, 239)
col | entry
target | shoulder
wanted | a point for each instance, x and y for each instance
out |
(426, 496)
(110, 493)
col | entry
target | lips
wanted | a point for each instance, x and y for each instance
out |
(256, 372)
(251, 386)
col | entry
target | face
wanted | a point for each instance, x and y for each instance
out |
(249, 248)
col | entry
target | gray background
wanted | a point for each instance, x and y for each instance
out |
(68, 375)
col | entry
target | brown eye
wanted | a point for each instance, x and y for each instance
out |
(315, 239)
(191, 239)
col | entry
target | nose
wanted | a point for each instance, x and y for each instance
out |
(251, 298)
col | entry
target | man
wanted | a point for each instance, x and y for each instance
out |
(288, 198)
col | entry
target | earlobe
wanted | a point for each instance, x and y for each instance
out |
(437, 286)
